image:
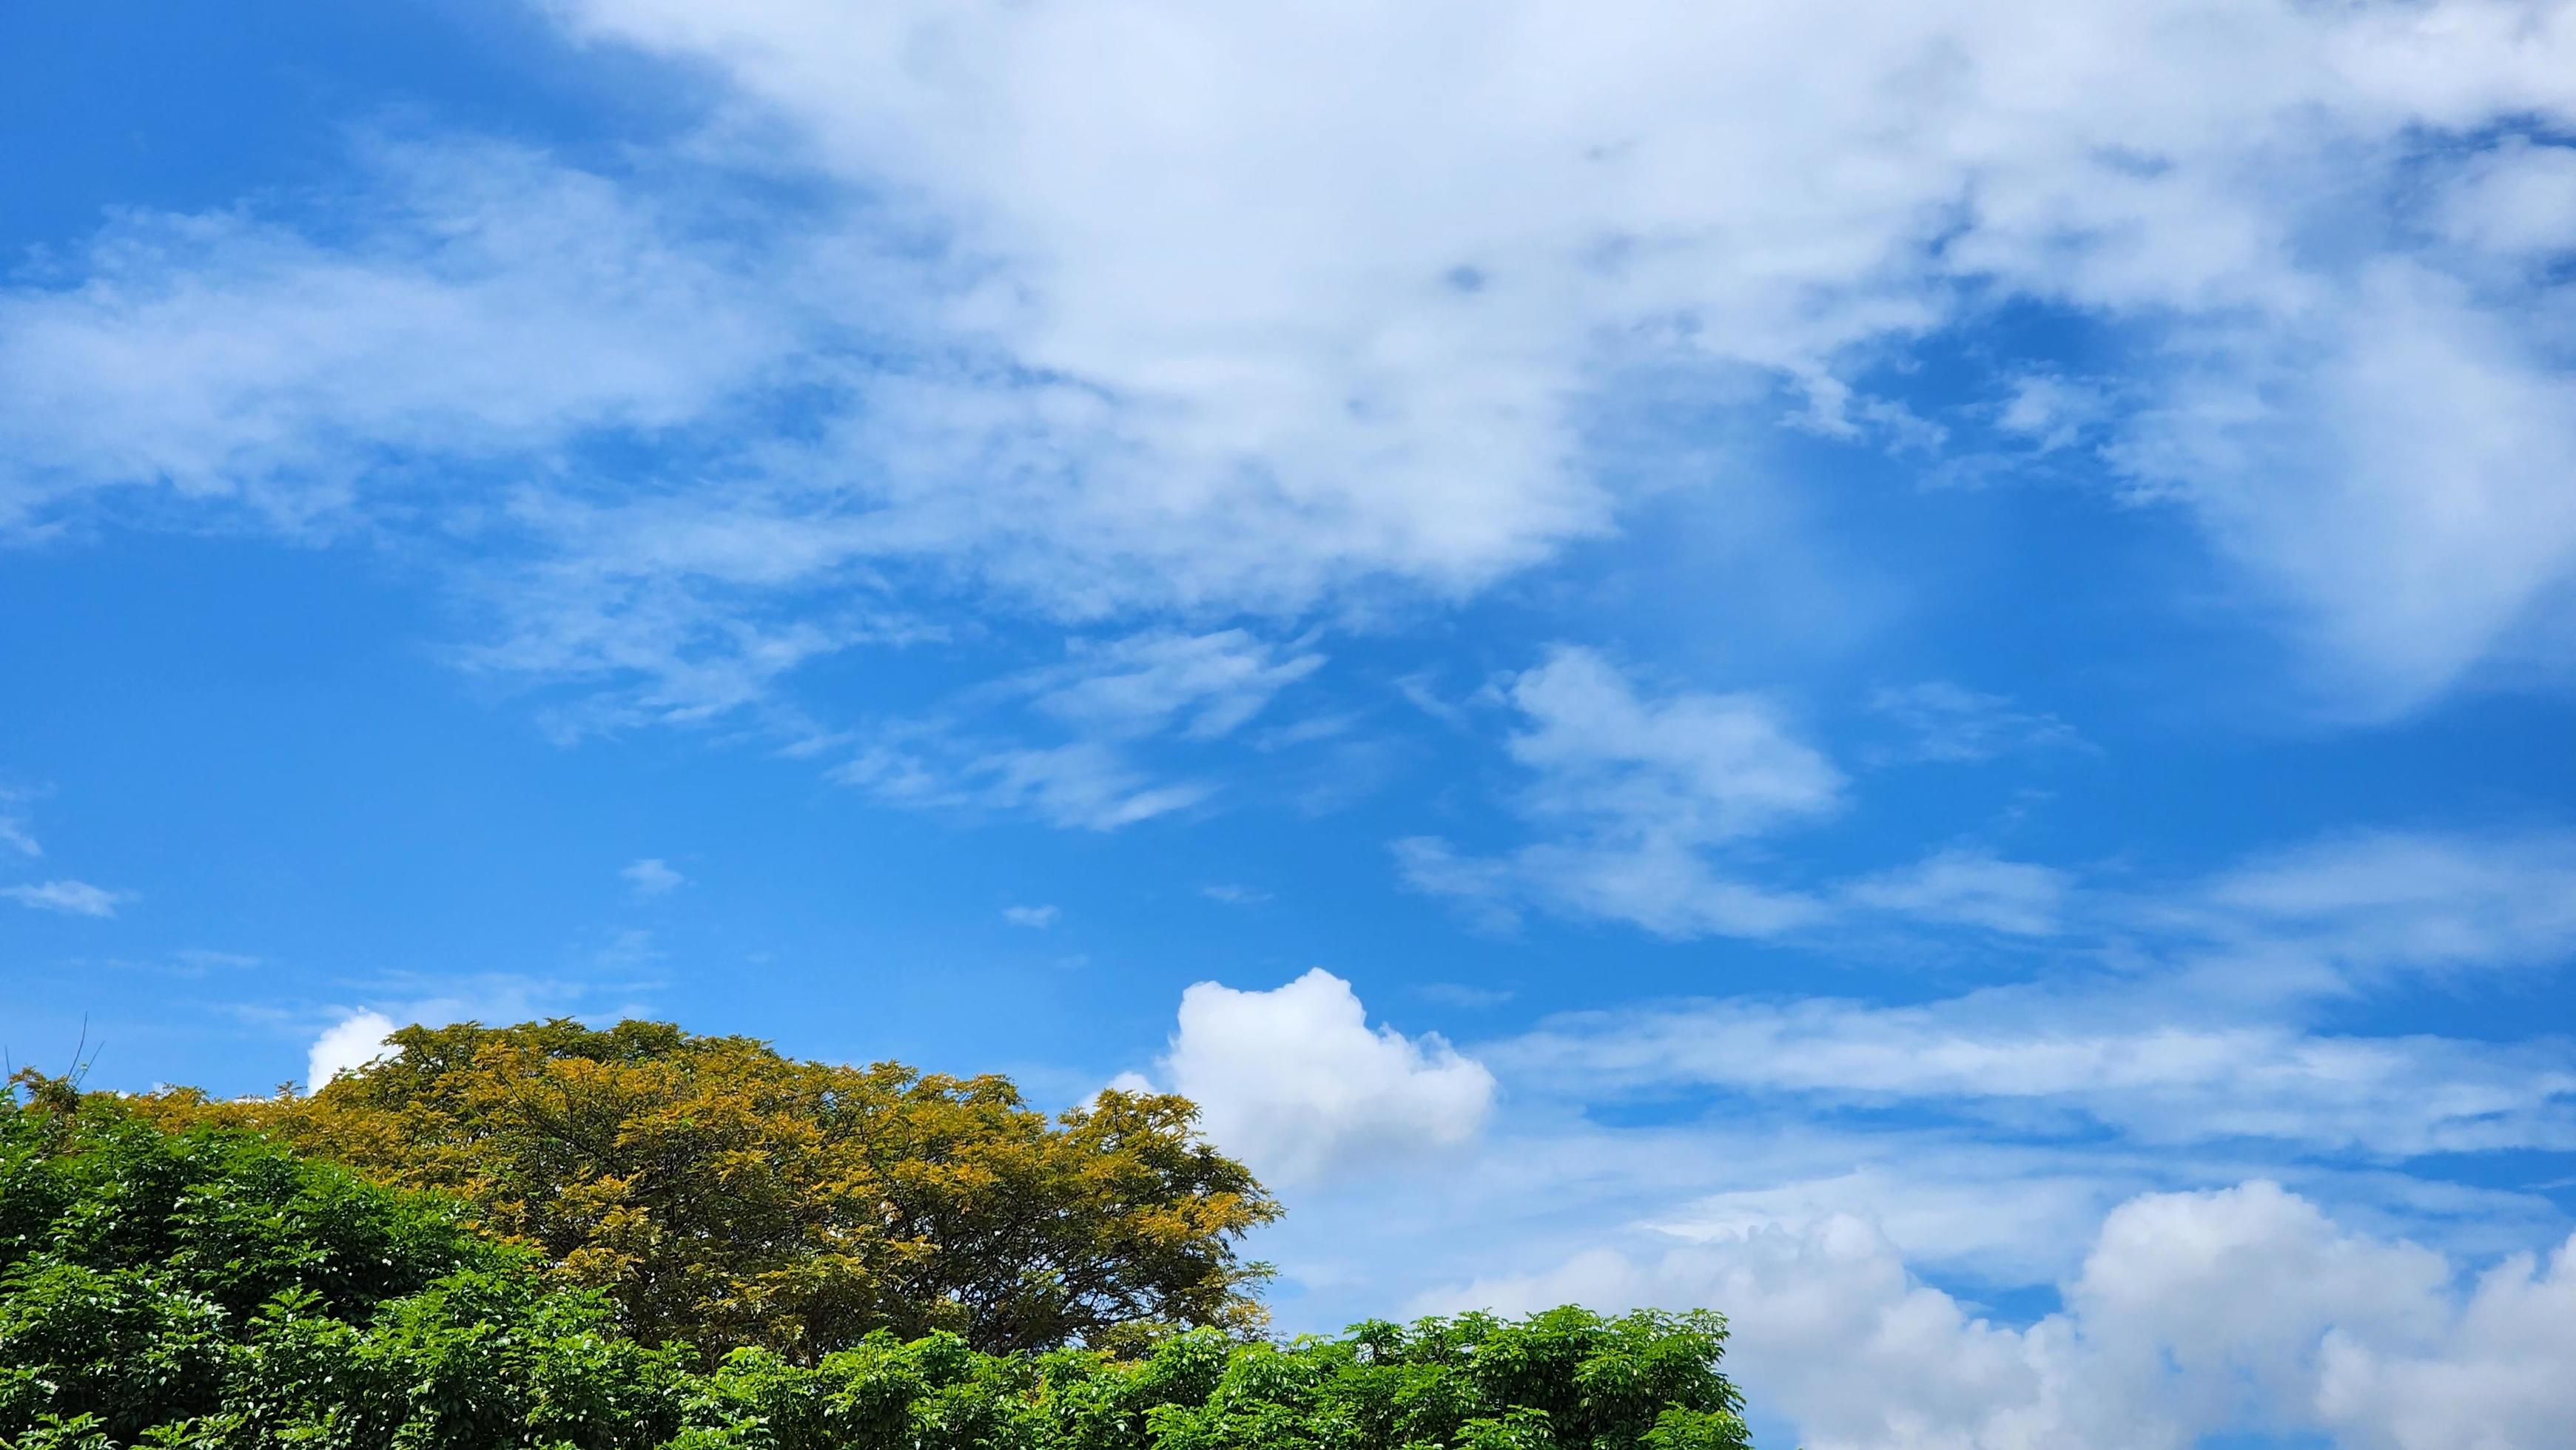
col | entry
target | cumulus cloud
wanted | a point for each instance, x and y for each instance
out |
(1261, 311)
(1295, 1081)
(71, 898)
(2493, 1375)
(1287, 305)
(347, 1045)
(2244, 1308)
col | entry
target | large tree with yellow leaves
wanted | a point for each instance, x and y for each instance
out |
(725, 1195)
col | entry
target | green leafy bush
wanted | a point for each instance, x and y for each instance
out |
(208, 1289)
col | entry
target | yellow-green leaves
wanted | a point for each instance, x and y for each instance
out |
(722, 1194)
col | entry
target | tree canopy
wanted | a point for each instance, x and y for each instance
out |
(722, 1194)
(209, 1290)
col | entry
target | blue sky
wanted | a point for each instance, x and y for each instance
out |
(1906, 673)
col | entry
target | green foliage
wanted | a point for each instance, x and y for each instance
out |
(209, 1290)
(722, 1194)
(1564, 1380)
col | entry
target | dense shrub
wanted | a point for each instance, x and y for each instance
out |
(1564, 1380)
(208, 1289)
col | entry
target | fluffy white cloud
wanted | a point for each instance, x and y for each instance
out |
(653, 876)
(2240, 1308)
(1362, 268)
(72, 898)
(2494, 1376)
(1296, 1083)
(347, 1045)
(1143, 305)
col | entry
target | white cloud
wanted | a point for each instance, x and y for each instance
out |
(1692, 767)
(72, 898)
(653, 876)
(1369, 305)
(1969, 888)
(1951, 723)
(1296, 1083)
(2517, 201)
(1123, 700)
(2146, 1067)
(1086, 785)
(15, 836)
(2052, 411)
(1202, 686)
(1234, 894)
(1264, 310)
(491, 302)
(2378, 900)
(2494, 1376)
(1935, 1201)
(2237, 1309)
(1639, 790)
(347, 1045)
(2395, 473)
(1040, 917)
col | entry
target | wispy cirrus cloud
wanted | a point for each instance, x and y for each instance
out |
(2360, 907)
(1965, 886)
(1639, 793)
(1084, 743)
(1950, 723)
(2156, 1070)
(71, 898)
